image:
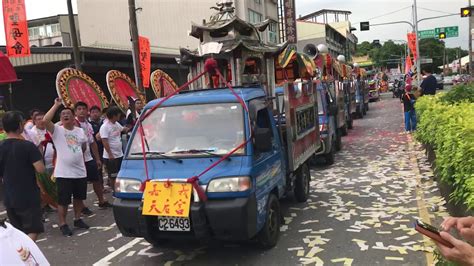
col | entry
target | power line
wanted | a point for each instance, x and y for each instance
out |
(390, 13)
(439, 11)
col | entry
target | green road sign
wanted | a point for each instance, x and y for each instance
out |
(450, 32)
(426, 34)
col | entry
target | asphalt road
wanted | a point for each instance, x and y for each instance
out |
(361, 212)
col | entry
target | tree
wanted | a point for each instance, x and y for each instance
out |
(363, 48)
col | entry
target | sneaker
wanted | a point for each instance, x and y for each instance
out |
(105, 205)
(65, 230)
(87, 211)
(80, 224)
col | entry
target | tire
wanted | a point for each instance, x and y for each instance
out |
(367, 106)
(338, 142)
(268, 236)
(303, 178)
(329, 157)
(344, 130)
(364, 111)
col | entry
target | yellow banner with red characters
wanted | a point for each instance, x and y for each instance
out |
(167, 199)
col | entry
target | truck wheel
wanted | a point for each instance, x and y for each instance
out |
(338, 143)
(329, 157)
(268, 236)
(364, 111)
(344, 130)
(367, 107)
(303, 178)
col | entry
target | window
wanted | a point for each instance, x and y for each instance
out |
(273, 32)
(258, 1)
(34, 32)
(254, 17)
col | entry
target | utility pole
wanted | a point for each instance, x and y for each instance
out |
(135, 47)
(75, 43)
(418, 61)
(470, 43)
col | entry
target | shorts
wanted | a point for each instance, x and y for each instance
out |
(113, 166)
(67, 187)
(92, 171)
(27, 220)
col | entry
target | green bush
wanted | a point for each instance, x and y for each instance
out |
(459, 93)
(449, 129)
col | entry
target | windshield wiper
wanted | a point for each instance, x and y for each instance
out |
(209, 152)
(159, 154)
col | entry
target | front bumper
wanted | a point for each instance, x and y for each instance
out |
(226, 219)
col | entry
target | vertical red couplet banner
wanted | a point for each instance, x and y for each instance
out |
(16, 28)
(408, 65)
(412, 44)
(145, 60)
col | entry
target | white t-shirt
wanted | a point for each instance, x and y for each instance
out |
(16, 248)
(70, 158)
(29, 136)
(112, 133)
(29, 125)
(39, 135)
(89, 131)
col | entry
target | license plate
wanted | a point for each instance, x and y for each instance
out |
(174, 224)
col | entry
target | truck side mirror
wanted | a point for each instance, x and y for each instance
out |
(263, 139)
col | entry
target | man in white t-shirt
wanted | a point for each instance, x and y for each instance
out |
(70, 170)
(39, 134)
(93, 163)
(16, 248)
(110, 133)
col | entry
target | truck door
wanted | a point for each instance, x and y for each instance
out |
(268, 167)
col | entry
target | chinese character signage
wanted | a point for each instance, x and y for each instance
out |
(290, 20)
(167, 199)
(412, 44)
(16, 28)
(145, 60)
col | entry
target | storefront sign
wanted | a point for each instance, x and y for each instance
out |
(290, 21)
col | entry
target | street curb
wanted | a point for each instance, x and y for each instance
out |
(457, 210)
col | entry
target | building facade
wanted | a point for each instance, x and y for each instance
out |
(50, 31)
(165, 23)
(329, 27)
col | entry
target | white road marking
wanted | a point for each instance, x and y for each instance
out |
(3, 212)
(144, 252)
(106, 259)
(115, 238)
(83, 233)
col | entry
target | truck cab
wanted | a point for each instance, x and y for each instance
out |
(188, 136)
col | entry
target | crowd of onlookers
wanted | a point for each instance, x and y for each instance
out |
(46, 165)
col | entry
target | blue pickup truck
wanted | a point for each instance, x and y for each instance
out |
(195, 129)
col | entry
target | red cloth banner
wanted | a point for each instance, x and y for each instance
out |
(145, 60)
(16, 28)
(412, 44)
(408, 64)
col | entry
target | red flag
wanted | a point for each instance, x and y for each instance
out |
(412, 44)
(145, 60)
(16, 28)
(408, 64)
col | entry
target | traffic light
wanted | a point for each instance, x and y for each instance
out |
(466, 12)
(364, 26)
(442, 36)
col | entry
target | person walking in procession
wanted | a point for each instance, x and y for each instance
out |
(19, 159)
(93, 163)
(110, 133)
(70, 170)
(408, 100)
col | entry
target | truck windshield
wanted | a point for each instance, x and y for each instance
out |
(191, 130)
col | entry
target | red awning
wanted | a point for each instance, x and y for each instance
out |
(7, 72)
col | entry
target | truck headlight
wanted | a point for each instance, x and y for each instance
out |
(357, 100)
(127, 185)
(229, 184)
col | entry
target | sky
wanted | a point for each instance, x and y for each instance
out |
(362, 10)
